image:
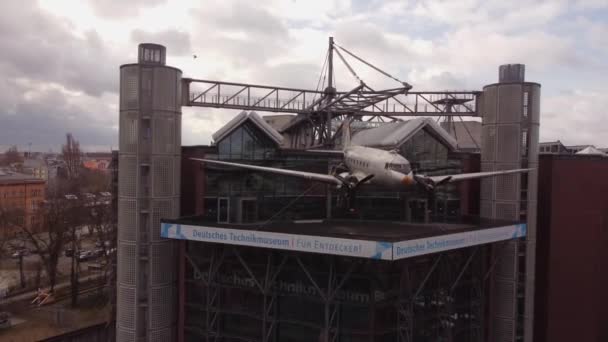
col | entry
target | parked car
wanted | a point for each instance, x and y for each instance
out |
(84, 255)
(98, 252)
(20, 253)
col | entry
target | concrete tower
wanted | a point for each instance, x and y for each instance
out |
(511, 112)
(148, 190)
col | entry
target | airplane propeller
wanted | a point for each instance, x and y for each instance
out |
(350, 185)
(429, 184)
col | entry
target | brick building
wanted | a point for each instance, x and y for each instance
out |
(22, 192)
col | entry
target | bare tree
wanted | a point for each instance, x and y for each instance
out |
(72, 157)
(11, 219)
(77, 212)
(56, 216)
(4, 230)
(12, 156)
(102, 224)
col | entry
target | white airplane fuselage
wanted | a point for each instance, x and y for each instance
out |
(389, 168)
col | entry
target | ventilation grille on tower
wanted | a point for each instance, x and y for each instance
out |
(160, 209)
(489, 105)
(508, 149)
(535, 105)
(504, 292)
(503, 330)
(123, 335)
(147, 82)
(164, 91)
(510, 105)
(161, 307)
(485, 209)
(161, 335)
(127, 176)
(126, 302)
(128, 132)
(127, 218)
(507, 211)
(127, 269)
(162, 263)
(129, 88)
(507, 187)
(164, 134)
(488, 143)
(505, 265)
(162, 175)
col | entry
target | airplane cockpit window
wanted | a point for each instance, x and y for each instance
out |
(399, 167)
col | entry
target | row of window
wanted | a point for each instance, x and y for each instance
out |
(403, 168)
(20, 193)
(357, 162)
(551, 148)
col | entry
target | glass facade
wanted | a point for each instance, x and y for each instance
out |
(243, 196)
(246, 142)
(252, 294)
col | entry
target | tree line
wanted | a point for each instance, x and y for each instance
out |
(63, 213)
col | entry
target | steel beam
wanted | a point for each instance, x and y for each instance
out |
(397, 102)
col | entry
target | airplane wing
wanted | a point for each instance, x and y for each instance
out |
(319, 177)
(334, 152)
(475, 175)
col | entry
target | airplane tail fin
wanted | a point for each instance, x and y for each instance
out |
(346, 134)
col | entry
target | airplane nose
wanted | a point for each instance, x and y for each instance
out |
(407, 180)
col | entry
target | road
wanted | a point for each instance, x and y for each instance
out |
(9, 267)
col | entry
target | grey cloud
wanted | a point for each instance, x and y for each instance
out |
(241, 33)
(361, 36)
(291, 75)
(442, 81)
(40, 47)
(177, 42)
(43, 116)
(120, 9)
(245, 17)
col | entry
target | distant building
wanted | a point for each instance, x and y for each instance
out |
(554, 147)
(577, 148)
(591, 150)
(557, 147)
(36, 168)
(21, 191)
(99, 161)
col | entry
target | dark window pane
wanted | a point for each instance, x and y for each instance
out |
(236, 143)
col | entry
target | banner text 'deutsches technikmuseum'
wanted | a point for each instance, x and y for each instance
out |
(341, 246)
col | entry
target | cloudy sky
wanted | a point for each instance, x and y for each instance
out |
(60, 58)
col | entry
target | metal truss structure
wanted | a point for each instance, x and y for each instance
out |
(361, 101)
(316, 109)
(240, 293)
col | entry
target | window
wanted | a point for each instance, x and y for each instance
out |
(399, 167)
(525, 109)
(524, 142)
(246, 142)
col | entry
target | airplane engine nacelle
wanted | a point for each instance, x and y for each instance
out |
(345, 175)
(350, 179)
